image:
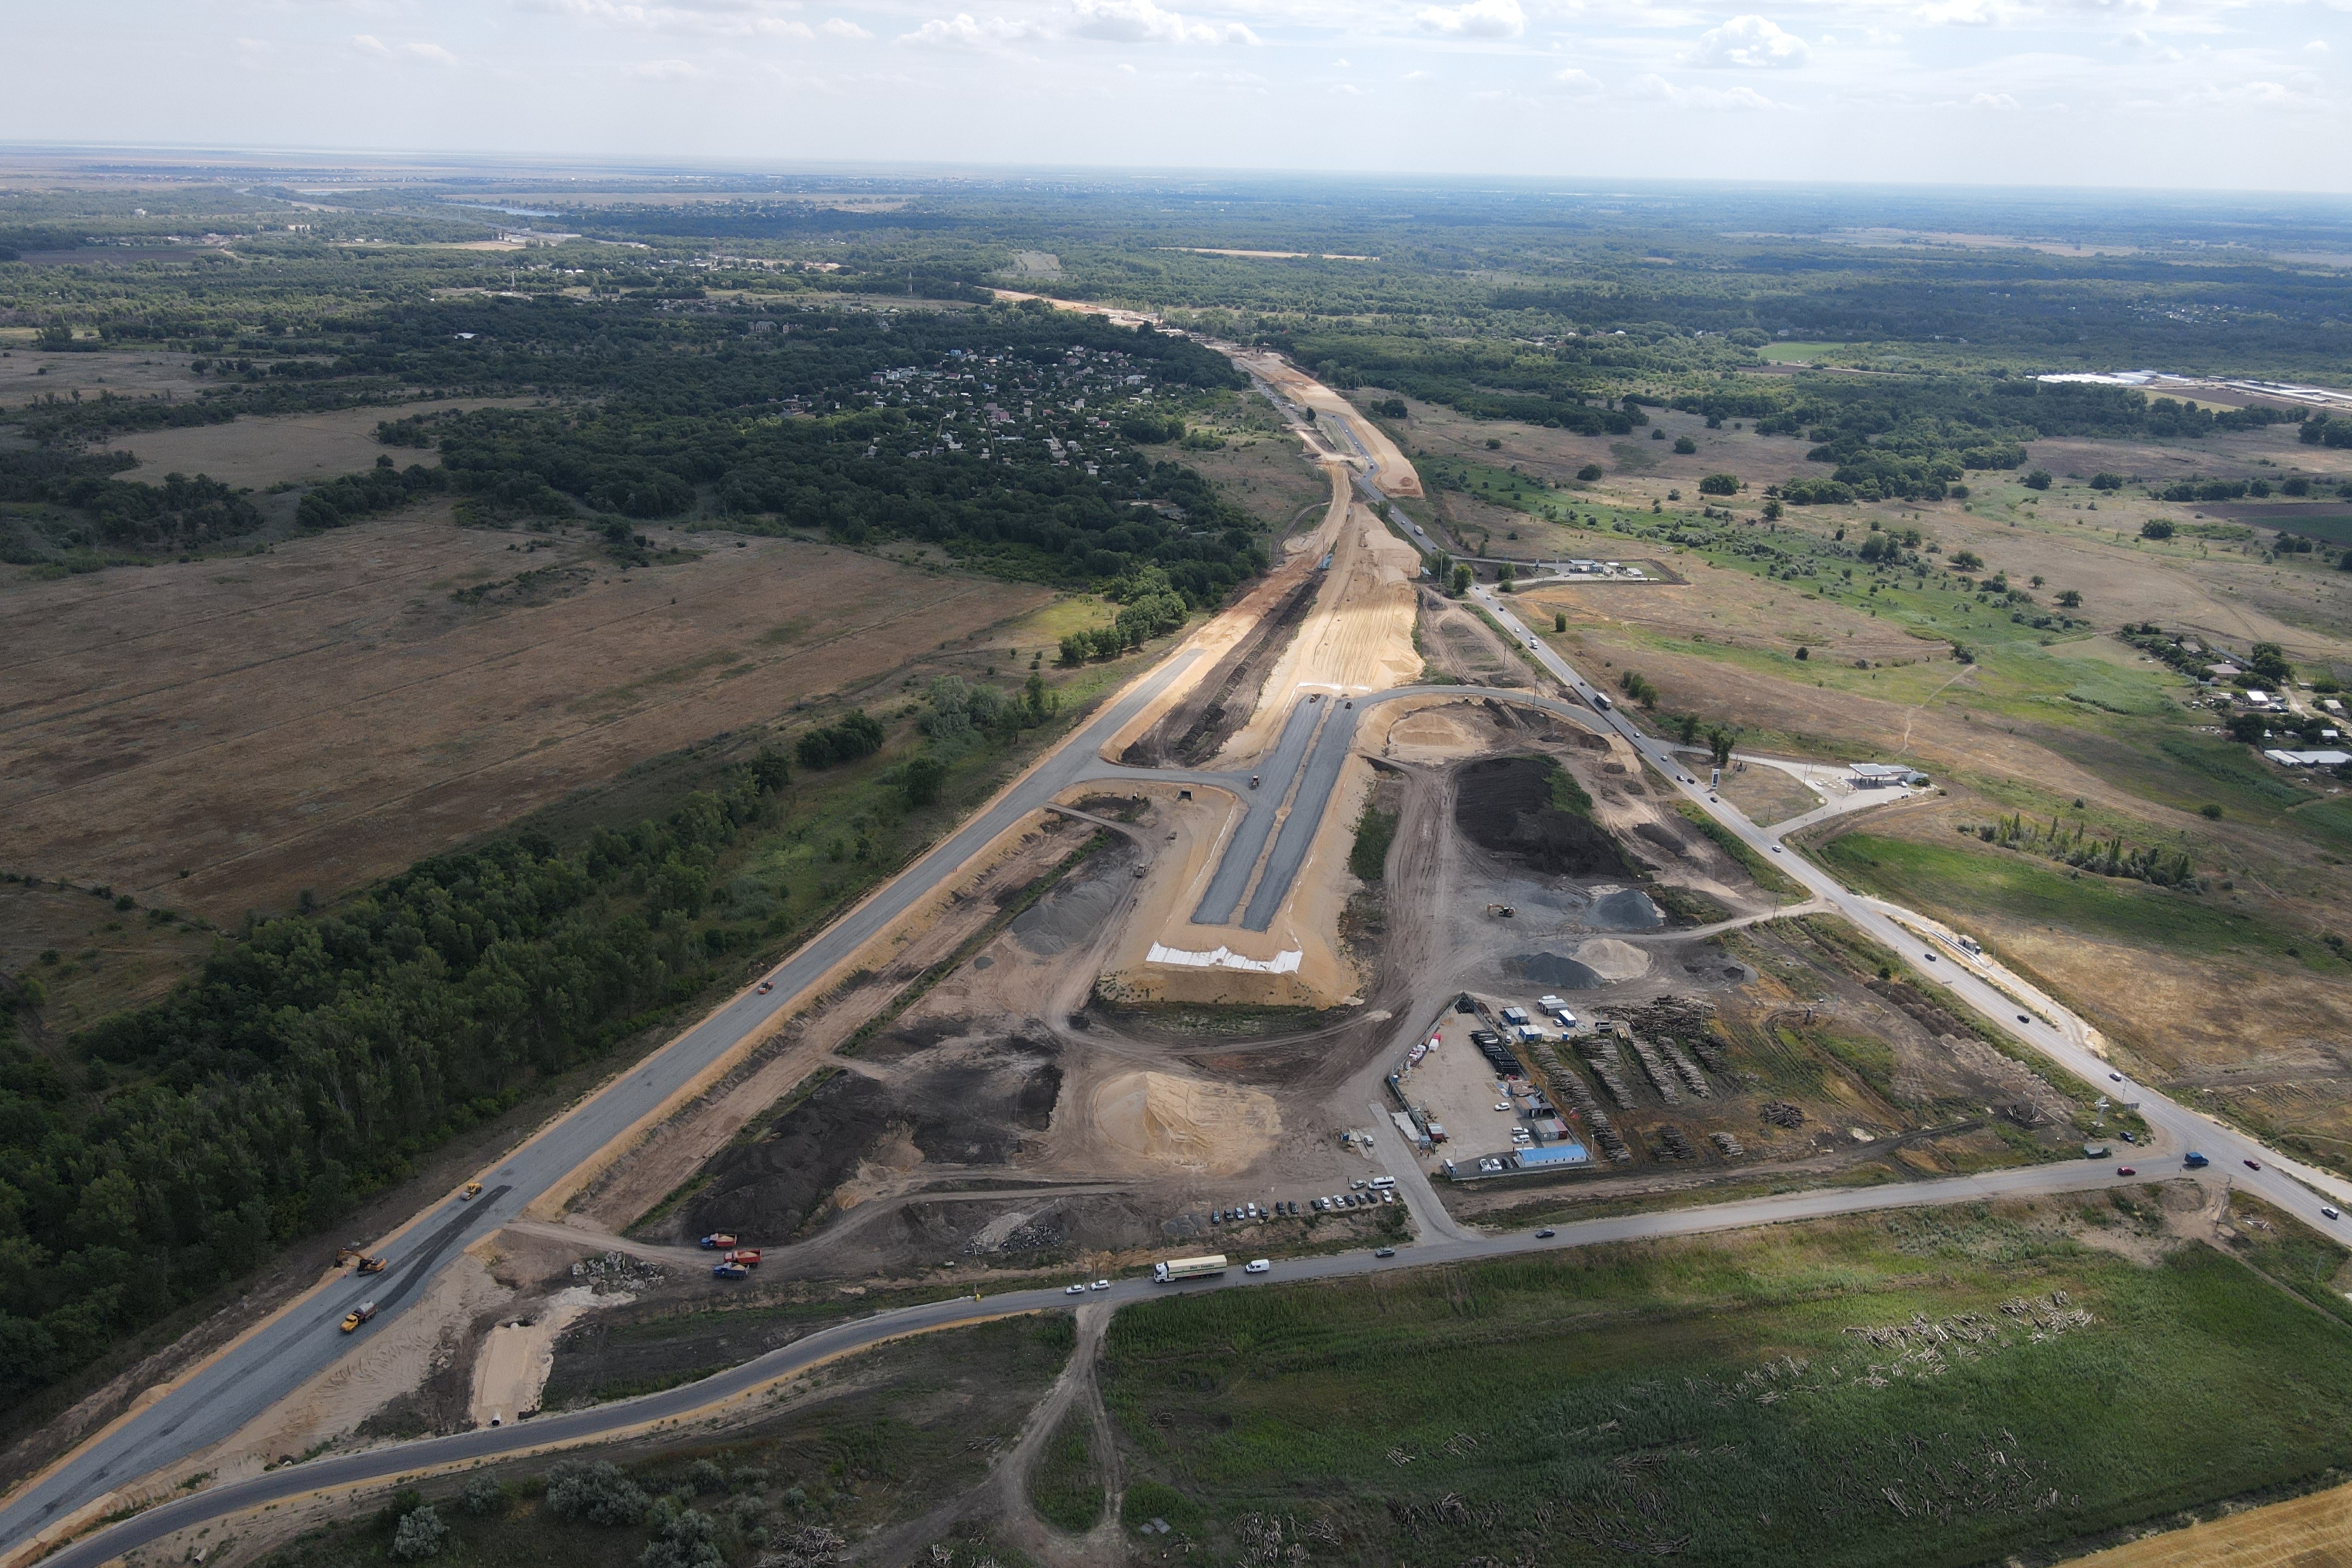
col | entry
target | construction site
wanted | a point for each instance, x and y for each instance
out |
(1355, 929)
(1181, 996)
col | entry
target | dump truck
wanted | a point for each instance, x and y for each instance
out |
(718, 1241)
(747, 1256)
(729, 1272)
(1177, 1269)
(373, 1265)
(358, 1315)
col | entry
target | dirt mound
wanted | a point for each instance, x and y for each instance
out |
(970, 1104)
(1627, 909)
(1612, 959)
(1561, 974)
(1504, 804)
(1072, 912)
(1185, 1123)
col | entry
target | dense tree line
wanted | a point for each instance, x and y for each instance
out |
(355, 495)
(179, 514)
(311, 1060)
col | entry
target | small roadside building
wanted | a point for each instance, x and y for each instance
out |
(1883, 775)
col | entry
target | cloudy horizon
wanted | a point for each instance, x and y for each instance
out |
(2210, 94)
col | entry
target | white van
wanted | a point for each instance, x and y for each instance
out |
(1384, 1181)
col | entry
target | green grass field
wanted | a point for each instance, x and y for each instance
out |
(1965, 877)
(1066, 1487)
(1720, 1401)
(902, 1428)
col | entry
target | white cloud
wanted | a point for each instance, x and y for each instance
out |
(2317, 46)
(370, 44)
(1347, 88)
(1750, 43)
(1738, 99)
(1476, 20)
(664, 70)
(1143, 22)
(722, 18)
(840, 27)
(2000, 100)
(1581, 83)
(1418, 76)
(960, 32)
(433, 53)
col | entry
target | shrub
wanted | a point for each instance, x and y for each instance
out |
(2106, 481)
(919, 780)
(1589, 471)
(597, 1493)
(2155, 529)
(855, 737)
(685, 1541)
(2038, 480)
(1719, 485)
(482, 1496)
(419, 1534)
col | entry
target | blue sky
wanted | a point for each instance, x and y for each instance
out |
(2226, 94)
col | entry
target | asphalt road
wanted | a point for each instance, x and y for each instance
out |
(405, 1459)
(288, 1350)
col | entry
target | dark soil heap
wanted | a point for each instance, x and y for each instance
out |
(1505, 804)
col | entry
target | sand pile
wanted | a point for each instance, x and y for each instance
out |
(1430, 736)
(1184, 1122)
(516, 1357)
(1612, 959)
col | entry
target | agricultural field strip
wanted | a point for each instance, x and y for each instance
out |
(673, 1406)
(343, 701)
(2063, 1037)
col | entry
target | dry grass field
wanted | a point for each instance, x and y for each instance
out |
(221, 734)
(258, 452)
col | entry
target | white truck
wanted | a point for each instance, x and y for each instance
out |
(1178, 1269)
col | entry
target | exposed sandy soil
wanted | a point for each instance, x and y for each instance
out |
(259, 453)
(511, 1366)
(1395, 476)
(327, 711)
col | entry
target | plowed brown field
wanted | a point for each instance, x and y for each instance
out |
(220, 734)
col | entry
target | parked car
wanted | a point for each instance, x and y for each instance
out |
(1102, 1284)
(1073, 1290)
